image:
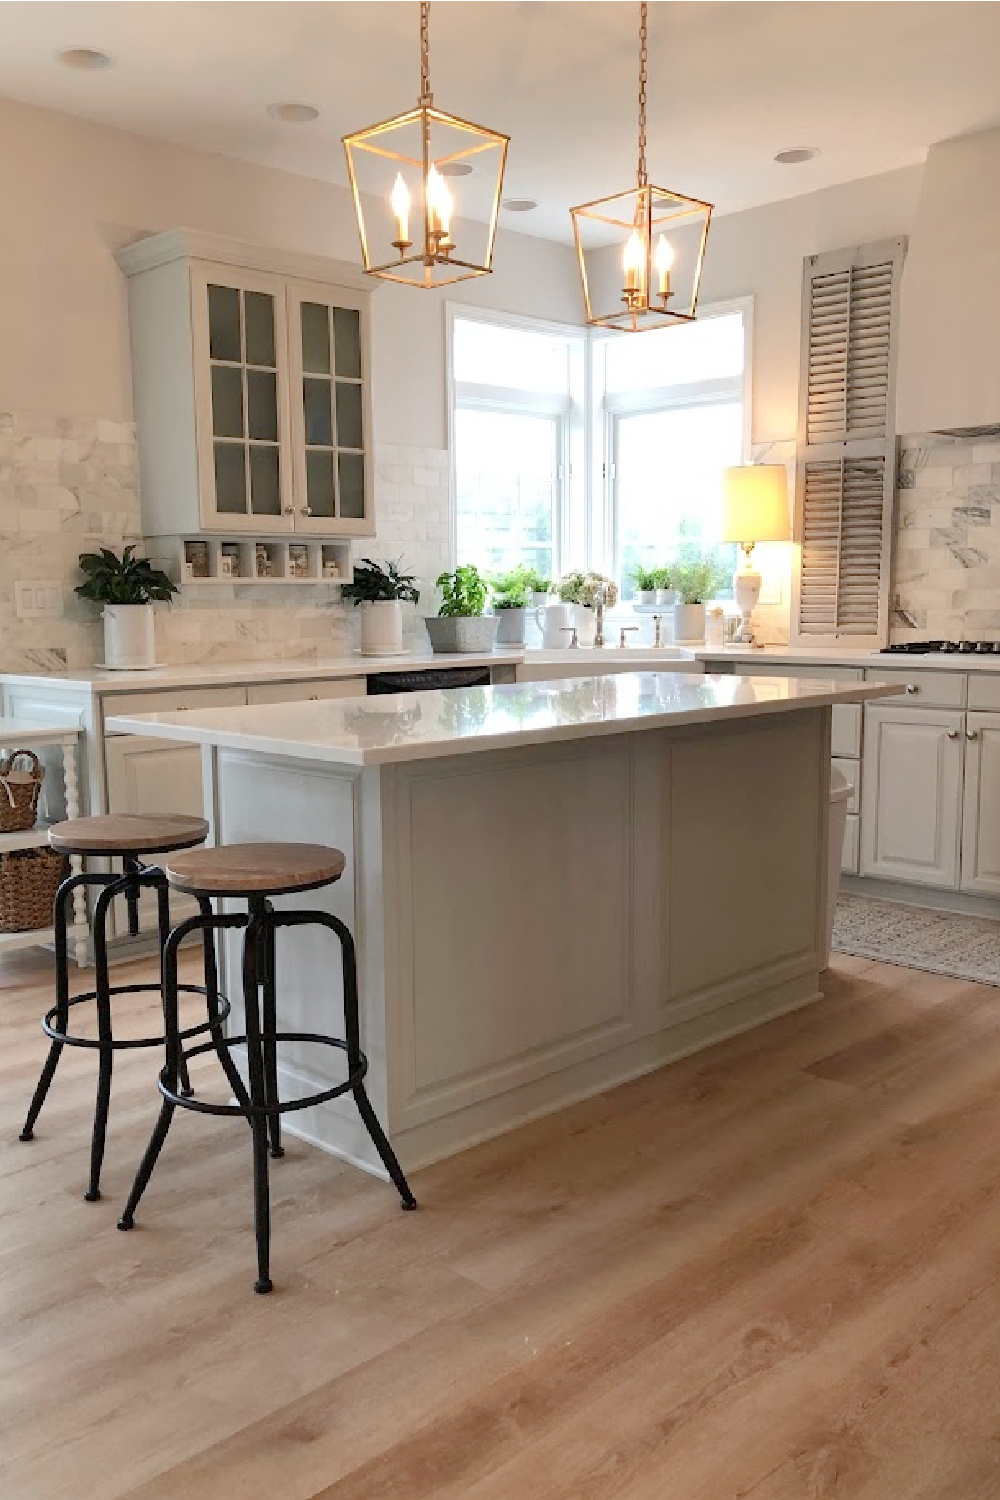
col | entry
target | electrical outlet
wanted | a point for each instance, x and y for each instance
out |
(38, 601)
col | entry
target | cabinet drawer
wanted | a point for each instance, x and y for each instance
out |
(850, 857)
(923, 689)
(308, 690)
(169, 700)
(845, 732)
(851, 772)
(984, 691)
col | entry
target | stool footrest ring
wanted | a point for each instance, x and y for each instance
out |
(129, 1043)
(267, 1110)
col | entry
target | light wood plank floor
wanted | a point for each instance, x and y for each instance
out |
(769, 1272)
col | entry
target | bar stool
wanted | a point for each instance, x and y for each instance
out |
(131, 839)
(255, 872)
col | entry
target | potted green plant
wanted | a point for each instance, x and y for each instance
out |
(460, 624)
(380, 590)
(127, 587)
(539, 587)
(663, 583)
(697, 578)
(644, 583)
(511, 593)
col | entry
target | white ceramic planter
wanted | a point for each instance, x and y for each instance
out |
(645, 596)
(510, 626)
(689, 622)
(129, 636)
(381, 627)
(666, 597)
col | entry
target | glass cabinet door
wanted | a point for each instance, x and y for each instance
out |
(242, 399)
(331, 419)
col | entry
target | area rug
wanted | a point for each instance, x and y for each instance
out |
(941, 942)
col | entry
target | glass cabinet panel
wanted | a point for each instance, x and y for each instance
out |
(243, 353)
(333, 410)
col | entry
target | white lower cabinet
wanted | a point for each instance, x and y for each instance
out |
(911, 820)
(981, 805)
(151, 776)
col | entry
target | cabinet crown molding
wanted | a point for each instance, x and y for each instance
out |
(194, 244)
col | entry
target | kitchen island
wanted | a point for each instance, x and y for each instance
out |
(553, 886)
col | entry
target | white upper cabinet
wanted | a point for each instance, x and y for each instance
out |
(252, 391)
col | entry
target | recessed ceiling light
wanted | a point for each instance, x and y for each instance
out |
(519, 205)
(86, 59)
(293, 114)
(455, 168)
(796, 154)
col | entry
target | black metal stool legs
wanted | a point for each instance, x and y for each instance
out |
(260, 1062)
(105, 1056)
(60, 907)
(163, 924)
(270, 1027)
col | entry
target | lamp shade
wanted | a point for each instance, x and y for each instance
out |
(755, 504)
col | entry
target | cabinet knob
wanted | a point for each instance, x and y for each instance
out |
(306, 510)
(314, 697)
(953, 734)
(972, 734)
(912, 687)
(289, 510)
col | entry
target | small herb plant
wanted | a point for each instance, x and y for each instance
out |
(110, 579)
(537, 583)
(698, 579)
(644, 579)
(511, 589)
(374, 582)
(663, 578)
(463, 592)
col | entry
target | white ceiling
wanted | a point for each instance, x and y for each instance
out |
(872, 85)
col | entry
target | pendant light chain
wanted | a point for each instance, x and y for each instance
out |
(426, 97)
(643, 178)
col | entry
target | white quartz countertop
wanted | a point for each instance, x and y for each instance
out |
(424, 725)
(844, 656)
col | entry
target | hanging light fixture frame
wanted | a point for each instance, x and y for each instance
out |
(645, 215)
(430, 257)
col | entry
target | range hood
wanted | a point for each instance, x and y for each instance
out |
(949, 338)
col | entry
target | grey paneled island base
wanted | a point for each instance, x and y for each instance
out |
(554, 887)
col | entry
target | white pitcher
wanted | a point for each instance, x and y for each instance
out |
(555, 621)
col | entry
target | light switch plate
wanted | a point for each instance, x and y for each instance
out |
(38, 601)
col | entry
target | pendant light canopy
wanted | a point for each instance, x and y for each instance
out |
(641, 251)
(400, 173)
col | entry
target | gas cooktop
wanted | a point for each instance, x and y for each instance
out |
(946, 648)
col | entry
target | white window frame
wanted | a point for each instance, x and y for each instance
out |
(586, 519)
(670, 398)
(573, 468)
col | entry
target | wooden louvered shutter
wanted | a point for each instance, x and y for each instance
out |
(846, 443)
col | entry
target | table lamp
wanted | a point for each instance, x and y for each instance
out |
(754, 509)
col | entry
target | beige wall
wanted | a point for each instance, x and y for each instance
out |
(74, 192)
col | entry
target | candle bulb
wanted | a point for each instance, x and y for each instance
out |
(664, 261)
(632, 263)
(400, 201)
(439, 207)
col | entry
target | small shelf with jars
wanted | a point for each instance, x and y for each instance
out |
(235, 561)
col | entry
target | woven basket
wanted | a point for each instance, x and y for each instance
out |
(29, 879)
(19, 791)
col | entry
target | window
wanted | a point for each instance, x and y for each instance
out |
(668, 411)
(515, 423)
(676, 416)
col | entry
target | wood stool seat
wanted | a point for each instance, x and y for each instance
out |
(127, 833)
(254, 869)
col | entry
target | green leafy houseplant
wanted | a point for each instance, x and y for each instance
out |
(463, 592)
(110, 579)
(537, 583)
(698, 579)
(663, 578)
(644, 579)
(460, 624)
(511, 590)
(374, 582)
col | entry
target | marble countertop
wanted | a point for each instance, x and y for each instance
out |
(359, 732)
(845, 656)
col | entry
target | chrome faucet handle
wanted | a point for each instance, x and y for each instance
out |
(657, 630)
(624, 631)
(571, 630)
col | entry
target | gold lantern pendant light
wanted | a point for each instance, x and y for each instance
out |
(652, 279)
(399, 173)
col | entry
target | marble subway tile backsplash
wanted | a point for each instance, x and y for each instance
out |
(70, 485)
(946, 568)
